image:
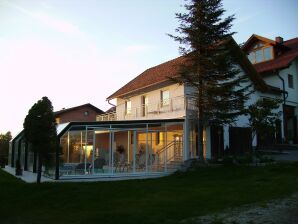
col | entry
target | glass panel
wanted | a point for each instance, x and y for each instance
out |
(74, 148)
(290, 81)
(267, 53)
(102, 155)
(9, 153)
(122, 152)
(251, 57)
(30, 158)
(144, 105)
(165, 98)
(174, 143)
(157, 143)
(128, 107)
(259, 56)
(142, 151)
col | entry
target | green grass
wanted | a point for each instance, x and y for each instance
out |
(163, 200)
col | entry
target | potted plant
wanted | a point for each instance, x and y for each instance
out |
(120, 149)
(19, 170)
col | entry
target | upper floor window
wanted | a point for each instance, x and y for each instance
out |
(165, 97)
(144, 105)
(58, 120)
(86, 113)
(260, 54)
(128, 107)
(290, 81)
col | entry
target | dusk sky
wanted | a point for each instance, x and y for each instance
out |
(81, 51)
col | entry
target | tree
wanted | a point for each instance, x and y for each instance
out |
(263, 117)
(40, 132)
(209, 66)
(4, 146)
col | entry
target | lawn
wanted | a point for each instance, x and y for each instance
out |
(164, 200)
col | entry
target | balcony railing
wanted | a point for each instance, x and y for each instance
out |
(155, 109)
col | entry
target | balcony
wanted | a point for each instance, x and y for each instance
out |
(171, 108)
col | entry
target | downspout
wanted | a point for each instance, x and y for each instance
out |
(111, 103)
(283, 105)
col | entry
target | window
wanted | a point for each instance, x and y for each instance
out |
(290, 81)
(128, 107)
(58, 120)
(144, 105)
(267, 53)
(260, 54)
(86, 113)
(165, 98)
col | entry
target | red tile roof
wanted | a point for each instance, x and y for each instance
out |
(281, 61)
(151, 77)
(160, 74)
(99, 111)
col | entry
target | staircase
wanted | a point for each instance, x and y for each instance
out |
(174, 159)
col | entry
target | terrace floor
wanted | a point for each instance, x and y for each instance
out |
(30, 177)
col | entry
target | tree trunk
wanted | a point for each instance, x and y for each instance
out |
(39, 170)
(200, 121)
(200, 140)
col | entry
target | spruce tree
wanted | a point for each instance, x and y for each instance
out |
(40, 132)
(209, 66)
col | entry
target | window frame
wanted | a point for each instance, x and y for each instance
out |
(262, 49)
(290, 81)
(127, 109)
(163, 101)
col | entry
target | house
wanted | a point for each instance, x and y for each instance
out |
(85, 112)
(277, 63)
(153, 128)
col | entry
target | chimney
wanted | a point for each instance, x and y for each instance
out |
(279, 40)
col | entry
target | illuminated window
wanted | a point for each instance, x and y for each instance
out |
(58, 120)
(128, 107)
(290, 81)
(165, 97)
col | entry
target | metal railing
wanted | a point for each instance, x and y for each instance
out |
(161, 107)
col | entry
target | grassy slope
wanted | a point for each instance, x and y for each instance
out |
(163, 200)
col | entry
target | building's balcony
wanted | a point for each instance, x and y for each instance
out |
(171, 108)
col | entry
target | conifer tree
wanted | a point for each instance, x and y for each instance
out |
(40, 131)
(209, 66)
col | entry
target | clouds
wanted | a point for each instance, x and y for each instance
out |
(56, 24)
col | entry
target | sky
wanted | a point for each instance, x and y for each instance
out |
(81, 51)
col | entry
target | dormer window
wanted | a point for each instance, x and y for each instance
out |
(260, 53)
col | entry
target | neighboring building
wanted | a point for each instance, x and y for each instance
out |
(85, 112)
(153, 128)
(277, 63)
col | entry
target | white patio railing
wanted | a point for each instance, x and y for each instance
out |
(154, 109)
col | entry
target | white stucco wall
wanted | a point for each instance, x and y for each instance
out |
(155, 110)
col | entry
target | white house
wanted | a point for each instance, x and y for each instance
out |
(153, 129)
(276, 61)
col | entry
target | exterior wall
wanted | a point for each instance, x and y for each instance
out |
(78, 115)
(155, 110)
(273, 80)
(292, 97)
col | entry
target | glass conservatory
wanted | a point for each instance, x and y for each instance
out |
(109, 149)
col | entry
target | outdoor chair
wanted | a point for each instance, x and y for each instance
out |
(80, 168)
(98, 165)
